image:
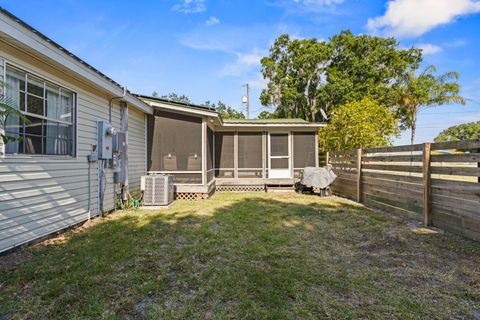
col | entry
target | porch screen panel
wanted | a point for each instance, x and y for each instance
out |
(224, 155)
(175, 142)
(303, 151)
(279, 144)
(210, 155)
(250, 155)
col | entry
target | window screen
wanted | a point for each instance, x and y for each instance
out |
(250, 155)
(279, 144)
(175, 145)
(210, 155)
(49, 126)
(224, 155)
(303, 149)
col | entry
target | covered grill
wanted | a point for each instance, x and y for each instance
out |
(312, 178)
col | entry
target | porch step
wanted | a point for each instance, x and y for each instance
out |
(280, 188)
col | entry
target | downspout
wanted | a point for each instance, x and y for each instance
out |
(110, 107)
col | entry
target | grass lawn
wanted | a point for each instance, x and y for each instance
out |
(245, 256)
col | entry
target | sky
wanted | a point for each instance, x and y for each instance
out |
(209, 49)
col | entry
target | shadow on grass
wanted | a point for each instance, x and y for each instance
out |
(244, 256)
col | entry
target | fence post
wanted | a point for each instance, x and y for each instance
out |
(359, 175)
(427, 217)
(327, 158)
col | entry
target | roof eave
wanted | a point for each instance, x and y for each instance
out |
(290, 125)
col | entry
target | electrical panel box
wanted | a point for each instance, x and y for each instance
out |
(120, 142)
(105, 134)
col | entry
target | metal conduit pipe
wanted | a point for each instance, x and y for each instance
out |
(110, 107)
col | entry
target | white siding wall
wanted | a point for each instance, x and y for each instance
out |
(41, 195)
(137, 148)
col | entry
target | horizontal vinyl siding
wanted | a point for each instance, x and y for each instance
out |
(136, 149)
(42, 195)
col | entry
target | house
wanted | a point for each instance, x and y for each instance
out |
(46, 182)
(205, 153)
(68, 164)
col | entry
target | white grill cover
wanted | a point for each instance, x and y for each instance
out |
(318, 177)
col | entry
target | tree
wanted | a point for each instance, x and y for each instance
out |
(365, 66)
(269, 115)
(294, 69)
(360, 124)
(305, 76)
(464, 131)
(172, 96)
(154, 93)
(226, 112)
(415, 93)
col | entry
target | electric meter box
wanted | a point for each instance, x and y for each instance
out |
(120, 142)
(105, 133)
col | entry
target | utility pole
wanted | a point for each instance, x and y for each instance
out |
(246, 99)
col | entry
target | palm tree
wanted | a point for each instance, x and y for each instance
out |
(417, 93)
(7, 109)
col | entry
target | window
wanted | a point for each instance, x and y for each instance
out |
(49, 110)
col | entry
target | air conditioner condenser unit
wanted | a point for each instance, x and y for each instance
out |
(157, 190)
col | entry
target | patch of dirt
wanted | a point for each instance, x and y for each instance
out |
(141, 308)
(10, 261)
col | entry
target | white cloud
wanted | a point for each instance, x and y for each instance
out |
(190, 6)
(244, 62)
(412, 18)
(457, 43)
(428, 48)
(212, 21)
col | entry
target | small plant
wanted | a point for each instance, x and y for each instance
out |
(132, 202)
(8, 108)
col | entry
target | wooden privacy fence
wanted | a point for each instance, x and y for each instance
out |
(440, 181)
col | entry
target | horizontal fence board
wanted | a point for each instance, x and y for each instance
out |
(466, 157)
(406, 204)
(343, 159)
(393, 158)
(389, 208)
(413, 147)
(393, 177)
(346, 175)
(461, 205)
(400, 168)
(456, 189)
(472, 218)
(393, 185)
(456, 185)
(396, 192)
(456, 171)
(455, 223)
(343, 153)
(466, 144)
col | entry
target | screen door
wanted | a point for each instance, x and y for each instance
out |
(279, 156)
